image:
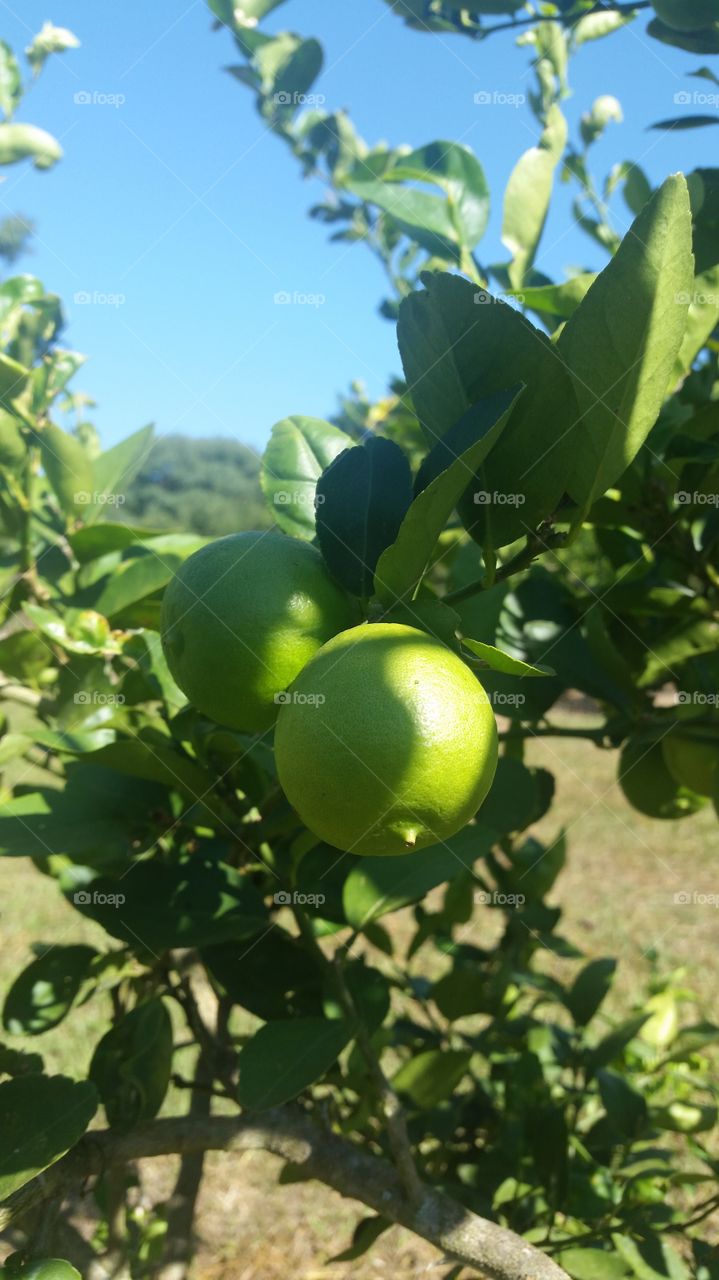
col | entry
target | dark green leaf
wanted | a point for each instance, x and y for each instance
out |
(283, 1058)
(432, 1076)
(402, 566)
(626, 1109)
(41, 1117)
(589, 989)
(362, 499)
(131, 1065)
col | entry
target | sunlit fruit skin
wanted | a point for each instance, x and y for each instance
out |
(241, 618)
(388, 742)
(687, 15)
(692, 763)
(49, 1269)
(649, 786)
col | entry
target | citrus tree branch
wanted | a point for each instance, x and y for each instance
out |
(495, 1252)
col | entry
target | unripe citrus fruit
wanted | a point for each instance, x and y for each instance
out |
(692, 763)
(687, 15)
(50, 1269)
(387, 742)
(649, 786)
(241, 618)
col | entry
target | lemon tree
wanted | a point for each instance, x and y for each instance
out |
(284, 779)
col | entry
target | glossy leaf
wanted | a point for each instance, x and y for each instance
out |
(589, 989)
(283, 1058)
(298, 452)
(453, 223)
(499, 661)
(460, 345)
(41, 1117)
(116, 467)
(621, 356)
(401, 568)
(527, 197)
(362, 498)
(376, 886)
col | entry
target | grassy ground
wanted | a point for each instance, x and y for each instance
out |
(617, 893)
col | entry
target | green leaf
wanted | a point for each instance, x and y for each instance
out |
(151, 756)
(589, 989)
(10, 81)
(555, 299)
(450, 224)
(92, 541)
(403, 565)
(283, 1058)
(68, 468)
(376, 886)
(499, 661)
(27, 142)
(44, 992)
(621, 357)
(193, 902)
(651, 1259)
(99, 818)
(116, 467)
(613, 1045)
(298, 452)
(591, 1264)
(41, 1117)
(147, 568)
(460, 345)
(528, 194)
(678, 123)
(132, 1063)
(13, 380)
(432, 1076)
(272, 975)
(362, 499)
(626, 1109)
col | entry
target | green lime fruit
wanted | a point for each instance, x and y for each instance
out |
(387, 742)
(649, 786)
(241, 618)
(49, 1269)
(692, 762)
(687, 15)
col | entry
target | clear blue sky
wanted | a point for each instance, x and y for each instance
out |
(180, 201)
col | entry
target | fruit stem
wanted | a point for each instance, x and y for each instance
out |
(535, 545)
